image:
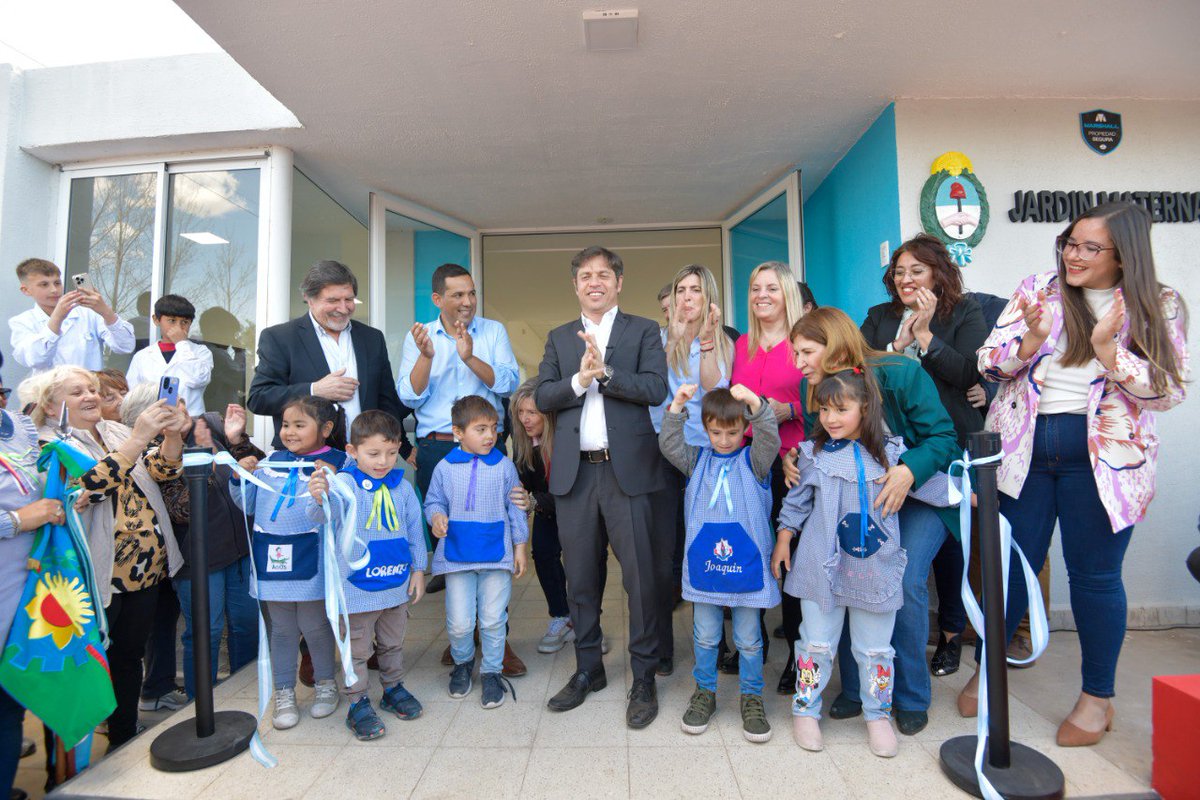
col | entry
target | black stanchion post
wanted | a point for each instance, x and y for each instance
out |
(1017, 772)
(212, 737)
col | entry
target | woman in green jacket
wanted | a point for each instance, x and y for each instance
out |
(826, 341)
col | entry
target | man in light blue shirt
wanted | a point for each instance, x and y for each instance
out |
(455, 355)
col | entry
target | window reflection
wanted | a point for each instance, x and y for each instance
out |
(760, 237)
(212, 260)
(110, 236)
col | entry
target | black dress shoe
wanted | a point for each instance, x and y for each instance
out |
(28, 747)
(665, 666)
(729, 664)
(576, 691)
(18, 794)
(643, 703)
(910, 723)
(436, 584)
(947, 655)
(787, 681)
(844, 707)
(779, 632)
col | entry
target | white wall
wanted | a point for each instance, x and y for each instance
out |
(1036, 145)
(28, 197)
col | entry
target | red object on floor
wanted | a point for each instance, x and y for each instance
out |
(1175, 715)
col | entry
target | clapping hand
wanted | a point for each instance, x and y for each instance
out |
(905, 335)
(235, 423)
(926, 307)
(683, 395)
(463, 341)
(1037, 317)
(711, 324)
(422, 339)
(591, 366)
(1108, 327)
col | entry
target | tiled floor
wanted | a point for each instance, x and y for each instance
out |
(456, 749)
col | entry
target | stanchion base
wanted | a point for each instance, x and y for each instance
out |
(1030, 776)
(178, 749)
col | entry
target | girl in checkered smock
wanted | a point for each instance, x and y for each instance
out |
(849, 558)
(727, 507)
(286, 548)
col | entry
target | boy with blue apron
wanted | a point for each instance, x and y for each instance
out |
(727, 507)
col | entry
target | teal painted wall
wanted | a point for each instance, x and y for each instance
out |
(431, 249)
(846, 218)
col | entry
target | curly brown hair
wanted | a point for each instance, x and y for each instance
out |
(947, 279)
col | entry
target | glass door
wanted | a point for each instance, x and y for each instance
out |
(407, 244)
(768, 228)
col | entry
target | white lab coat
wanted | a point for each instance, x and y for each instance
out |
(192, 364)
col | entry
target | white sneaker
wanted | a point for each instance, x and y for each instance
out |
(325, 699)
(558, 633)
(286, 715)
(171, 701)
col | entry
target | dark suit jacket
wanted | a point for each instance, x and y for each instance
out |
(950, 361)
(639, 380)
(290, 360)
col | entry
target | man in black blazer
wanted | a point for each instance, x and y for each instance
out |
(323, 354)
(600, 375)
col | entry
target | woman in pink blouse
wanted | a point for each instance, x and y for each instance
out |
(1085, 355)
(763, 362)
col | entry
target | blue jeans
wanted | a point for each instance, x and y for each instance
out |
(1060, 480)
(820, 632)
(922, 533)
(229, 605)
(483, 595)
(12, 718)
(708, 623)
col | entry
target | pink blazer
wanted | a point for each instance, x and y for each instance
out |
(1122, 441)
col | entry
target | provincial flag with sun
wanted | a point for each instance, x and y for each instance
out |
(54, 662)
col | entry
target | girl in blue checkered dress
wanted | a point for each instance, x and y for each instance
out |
(286, 548)
(727, 508)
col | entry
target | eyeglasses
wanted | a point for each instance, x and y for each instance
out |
(5, 393)
(1084, 251)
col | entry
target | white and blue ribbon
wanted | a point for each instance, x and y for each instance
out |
(721, 487)
(335, 599)
(1039, 627)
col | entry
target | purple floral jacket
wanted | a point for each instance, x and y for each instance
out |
(1122, 441)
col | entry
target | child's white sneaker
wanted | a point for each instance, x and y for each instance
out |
(807, 733)
(881, 738)
(325, 699)
(286, 716)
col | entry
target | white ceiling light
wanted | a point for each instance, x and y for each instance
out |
(615, 29)
(204, 237)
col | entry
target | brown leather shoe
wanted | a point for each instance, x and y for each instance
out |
(513, 666)
(1020, 648)
(447, 659)
(1071, 735)
(968, 701)
(306, 669)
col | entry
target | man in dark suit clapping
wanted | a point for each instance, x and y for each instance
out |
(600, 374)
(323, 354)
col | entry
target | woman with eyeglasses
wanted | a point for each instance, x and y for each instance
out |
(1085, 355)
(932, 320)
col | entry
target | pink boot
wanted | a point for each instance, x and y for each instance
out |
(881, 738)
(807, 733)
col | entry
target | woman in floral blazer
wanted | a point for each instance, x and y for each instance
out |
(1085, 355)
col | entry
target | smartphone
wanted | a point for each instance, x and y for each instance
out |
(168, 389)
(82, 281)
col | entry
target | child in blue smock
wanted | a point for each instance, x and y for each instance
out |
(727, 507)
(481, 544)
(286, 549)
(372, 503)
(849, 560)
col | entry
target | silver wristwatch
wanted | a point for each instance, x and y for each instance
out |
(608, 373)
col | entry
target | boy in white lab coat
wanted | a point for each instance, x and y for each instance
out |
(69, 328)
(174, 354)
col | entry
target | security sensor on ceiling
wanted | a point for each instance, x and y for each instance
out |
(614, 29)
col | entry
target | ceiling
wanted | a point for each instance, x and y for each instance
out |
(496, 114)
